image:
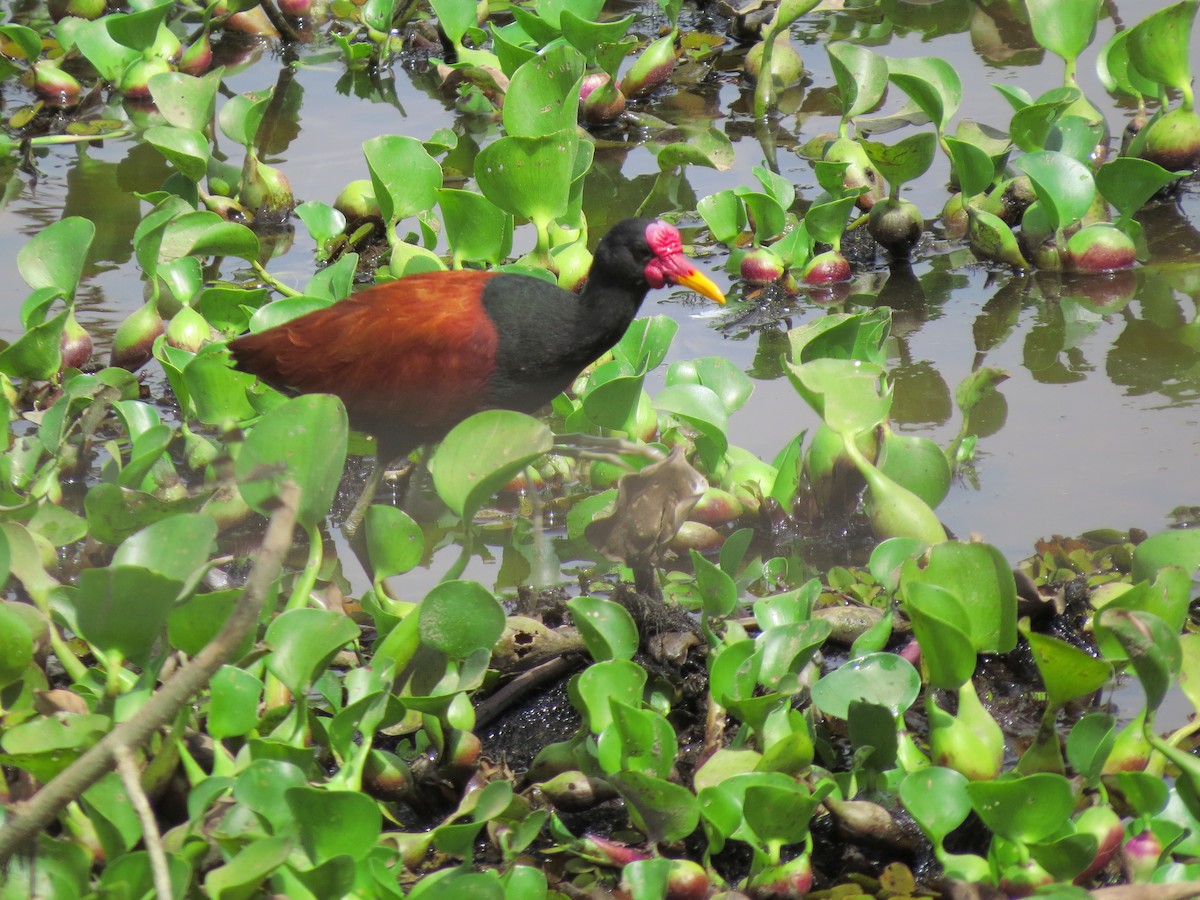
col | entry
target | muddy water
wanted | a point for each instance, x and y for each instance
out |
(1098, 424)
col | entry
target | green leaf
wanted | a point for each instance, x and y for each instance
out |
(138, 30)
(460, 617)
(607, 628)
(905, 160)
(937, 798)
(54, 257)
(613, 679)
(1168, 548)
(529, 176)
(1160, 47)
(1025, 809)
(476, 229)
(303, 439)
(186, 101)
(932, 83)
(1063, 29)
(395, 543)
(36, 354)
(542, 99)
(861, 75)
(187, 150)
(982, 581)
(972, 165)
(1153, 648)
(464, 478)
(16, 645)
(335, 823)
(883, 679)
(234, 695)
(664, 811)
(122, 609)
(176, 548)
(1064, 186)
(302, 642)
(406, 178)
(1067, 671)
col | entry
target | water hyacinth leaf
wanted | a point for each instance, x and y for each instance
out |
(638, 740)
(664, 811)
(242, 875)
(978, 576)
(779, 816)
(184, 148)
(45, 746)
(302, 642)
(613, 403)
(884, 679)
(335, 823)
(845, 393)
(543, 96)
(460, 617)
(529, 176)
(942, 626)
(1152, 646)
(234, 695)
(937, 798)
(861, 75)
(1089, 743)
(205, 233)
(186, 101)
(27, 41)
(395, 543)
(1189, 670)
(764, 210)
(826, 221)
(646, 342)
(405, 177)
(1178, 548)
(992, 240)
(138, 30)
(1117, 74)
(786, 650)
(262, 786)
(1160, 47)
(241, 116)
(114, 513)
(711, 149)
(873, 727)
(1064, 30)
(647, 878)
(725, 215)
(323, 221)
(843, 336)
(587, 35)
(54, 257)
(476, 229)
(122, 609)
(454, 17)
(334, 282)
(617, 679)
(1024, 809)
(931, 83)
(466, 479)
(1128, 183)
(700, 407)
(717, 588)
(176, 548)
(215, 392)
(36, 355)
(1066, 671)
(16, 645)
(1064, 186)
(303, 439)
(973, 167)
(607, 628)
(903, 161)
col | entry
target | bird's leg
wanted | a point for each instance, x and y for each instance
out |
(371, 487)
(353, 521)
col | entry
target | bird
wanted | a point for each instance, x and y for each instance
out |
(412, 358)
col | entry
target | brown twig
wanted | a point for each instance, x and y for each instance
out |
(151, 838)
(28, 821)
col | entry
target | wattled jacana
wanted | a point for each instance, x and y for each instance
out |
(412, 358)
